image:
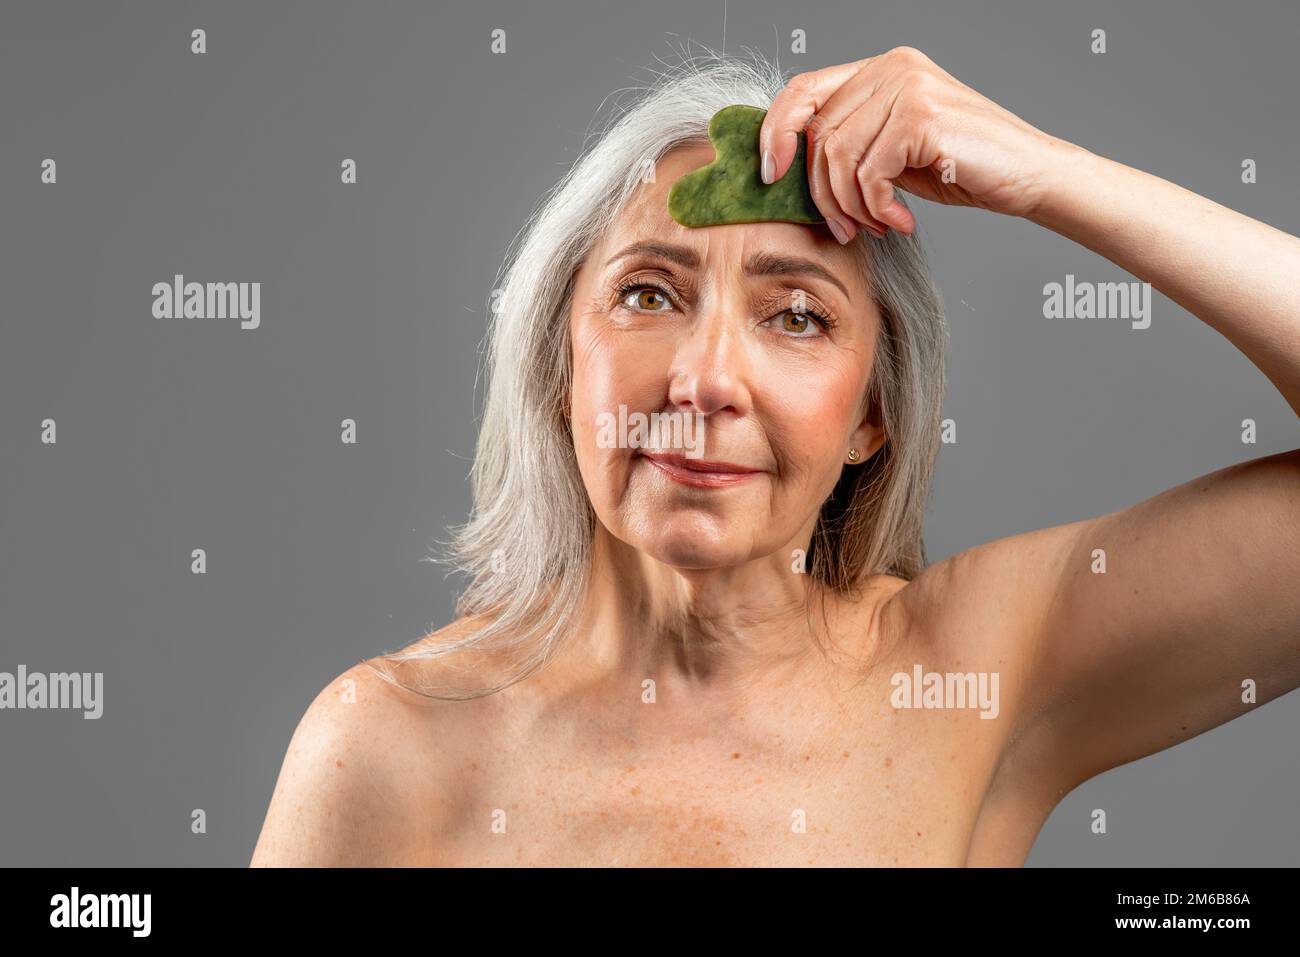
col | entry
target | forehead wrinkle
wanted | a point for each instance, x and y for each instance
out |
(646, 216)
(758, 255)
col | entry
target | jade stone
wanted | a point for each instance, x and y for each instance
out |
(731, 188)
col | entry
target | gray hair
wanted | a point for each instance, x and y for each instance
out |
(526, 548)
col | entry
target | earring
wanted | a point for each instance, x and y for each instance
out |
(853, 455)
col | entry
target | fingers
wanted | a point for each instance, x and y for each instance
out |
(866, 124)
(802, 97)
(886, 159)
(842, 223)
(877, 147)
(840, 154)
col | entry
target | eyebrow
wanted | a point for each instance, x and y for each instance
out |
(759, 264)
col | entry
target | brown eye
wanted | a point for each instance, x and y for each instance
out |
(648, 298)
(794, 321)
(801, 323)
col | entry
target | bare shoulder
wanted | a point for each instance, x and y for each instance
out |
(339, 799)
(984, 609)
(985, 603)
(373, 772)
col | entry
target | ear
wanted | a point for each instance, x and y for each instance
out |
(869, 436)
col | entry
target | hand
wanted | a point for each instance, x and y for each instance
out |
(900, 119)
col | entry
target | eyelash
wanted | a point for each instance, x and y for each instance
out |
(825, 320)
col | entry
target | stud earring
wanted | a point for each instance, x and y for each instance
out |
(853, 455)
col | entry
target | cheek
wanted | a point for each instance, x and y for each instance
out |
(609, 372)
(809, 411)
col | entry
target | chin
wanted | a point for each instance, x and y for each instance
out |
(694, 558)
(692, 542)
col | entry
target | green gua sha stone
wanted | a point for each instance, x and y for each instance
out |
(731, 188)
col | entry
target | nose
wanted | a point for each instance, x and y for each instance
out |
(711, 365)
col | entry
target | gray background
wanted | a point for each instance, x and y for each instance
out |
(175, 435)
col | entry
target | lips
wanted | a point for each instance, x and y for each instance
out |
(699, 473)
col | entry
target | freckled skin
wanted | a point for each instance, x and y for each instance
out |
(758, 750)
(694, 588)
(718, 346)
(608, 780)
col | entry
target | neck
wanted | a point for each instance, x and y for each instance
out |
(711, 632)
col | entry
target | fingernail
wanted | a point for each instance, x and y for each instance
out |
(838, 232)
(769, 167)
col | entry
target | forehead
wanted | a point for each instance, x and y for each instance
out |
(646, 216)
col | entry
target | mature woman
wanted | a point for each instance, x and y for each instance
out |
(734, 652)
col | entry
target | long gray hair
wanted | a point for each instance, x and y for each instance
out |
(526, 548)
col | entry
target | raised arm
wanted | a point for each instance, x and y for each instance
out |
(1195, 618)
(1137, 629)
(898, 119)
(1238, 275)
(1127, 633)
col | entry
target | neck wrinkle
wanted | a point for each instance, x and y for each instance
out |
(708, 632)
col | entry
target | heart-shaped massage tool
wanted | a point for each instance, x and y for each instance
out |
(731, 188)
